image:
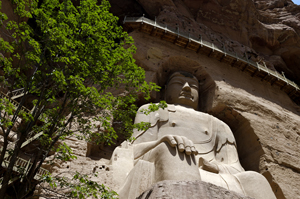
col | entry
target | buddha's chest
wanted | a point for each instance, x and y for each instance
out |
(196, 127)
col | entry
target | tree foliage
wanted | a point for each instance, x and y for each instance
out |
(67, 59)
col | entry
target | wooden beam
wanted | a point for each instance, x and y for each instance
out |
(246, 57)
(233, 62)
(200, 46)
(255, 72)
(245, 67)
(174, 42)
(31, 139)
(274, 81)
(193, 46)
(188, 41)
(265, 77)
(10, 181)
(153, 31)
(284, 86)
(140, 28)
(210, 52)
(224, 55)
(292, 92)
(187, 44)
(163, 35)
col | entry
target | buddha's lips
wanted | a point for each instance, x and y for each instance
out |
(186, 95)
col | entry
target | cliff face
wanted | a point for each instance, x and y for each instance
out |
(266, 31)
(264, 120)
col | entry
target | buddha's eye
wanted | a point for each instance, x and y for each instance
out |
(176, 82)
(194, 86)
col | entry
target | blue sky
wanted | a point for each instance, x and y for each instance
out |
(296, 2)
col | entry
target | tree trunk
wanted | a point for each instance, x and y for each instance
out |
(12, 162)
(27, 184)
(3, 149)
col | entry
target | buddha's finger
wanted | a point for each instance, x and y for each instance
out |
(194, 150)
(170, 139)
(180, 143)
(187, 144)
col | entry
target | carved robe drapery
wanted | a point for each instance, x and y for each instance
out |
(212, 138)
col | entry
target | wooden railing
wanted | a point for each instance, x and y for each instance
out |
(16, 93)
(188, 41)
(22, 166)
(14, 102)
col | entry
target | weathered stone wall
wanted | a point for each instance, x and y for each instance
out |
(263, 118)
(266, 30)
(265, 122)
(187, 190)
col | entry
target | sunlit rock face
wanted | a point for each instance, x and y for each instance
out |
(264, 121)
(265, 30)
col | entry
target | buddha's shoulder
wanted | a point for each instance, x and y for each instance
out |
(174, 108)
(177, 108)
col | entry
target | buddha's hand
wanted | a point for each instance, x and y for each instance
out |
(183, 144)
(208, 166)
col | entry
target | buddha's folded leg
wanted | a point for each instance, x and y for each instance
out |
(140, 178)
(161, 163)
(170, 164)
(255, 185)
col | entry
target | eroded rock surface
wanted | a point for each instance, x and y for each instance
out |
(264, 30)
(263, 119)
(187, 190)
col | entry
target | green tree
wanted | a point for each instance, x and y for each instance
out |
(66, 58)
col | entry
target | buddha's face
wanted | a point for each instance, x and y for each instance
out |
(183, 90)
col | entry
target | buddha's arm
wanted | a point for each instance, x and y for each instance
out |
(216, 166)
(147, 140)
(228, 164)
(227, 159)
(183, 144)
(224, 157)
(143, 148)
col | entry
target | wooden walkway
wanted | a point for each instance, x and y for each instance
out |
(17, 94)
(21, 166)
(14, 102)
(178, 38)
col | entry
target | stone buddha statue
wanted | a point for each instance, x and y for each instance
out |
(184, 144)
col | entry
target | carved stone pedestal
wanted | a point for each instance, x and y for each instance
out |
(169, 189)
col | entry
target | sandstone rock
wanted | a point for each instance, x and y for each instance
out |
(259, 28)
(187, 190)
(263, 119)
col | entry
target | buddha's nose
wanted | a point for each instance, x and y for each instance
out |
(186, 87)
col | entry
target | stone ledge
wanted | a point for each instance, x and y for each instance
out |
(170, 189)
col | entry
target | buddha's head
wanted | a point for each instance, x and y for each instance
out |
(182, 88)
